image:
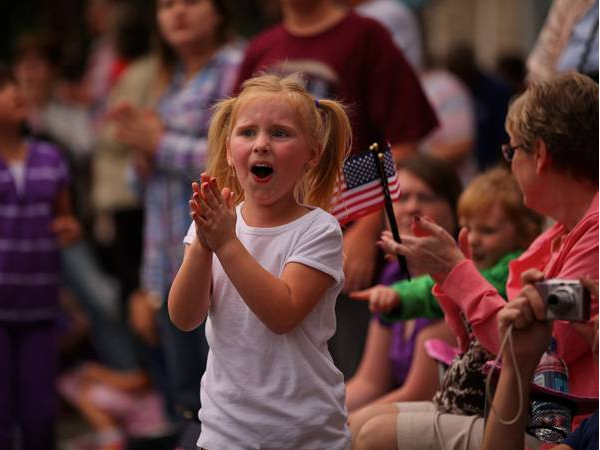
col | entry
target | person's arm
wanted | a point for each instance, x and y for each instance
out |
(416, 300)
(373, 377)
(432, 250)
(134, 380)
(360, 251)
(280, 303)
(580, 261)
(477, 299)
(404, 150)
(525, 318)
(453, 152)
(190, 293)
(189, 297)
(65, 224)
(542, 60)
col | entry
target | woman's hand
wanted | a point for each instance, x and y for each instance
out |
(137, 128)
(216, 216)
(527, 314)
(381, 298)
(431, 250)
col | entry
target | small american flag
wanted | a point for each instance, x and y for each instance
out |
(361, 188)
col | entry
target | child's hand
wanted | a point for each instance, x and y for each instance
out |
(216, 215)
(381, 298)
(195, 212)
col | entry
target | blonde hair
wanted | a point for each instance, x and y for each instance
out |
(563, 113)
(498, 186)
(325, 122)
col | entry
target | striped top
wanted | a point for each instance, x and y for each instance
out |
(29, 251)
(185, 110)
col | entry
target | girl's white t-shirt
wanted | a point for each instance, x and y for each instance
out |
(267, 391)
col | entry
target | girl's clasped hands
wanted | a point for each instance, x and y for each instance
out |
(213, 212)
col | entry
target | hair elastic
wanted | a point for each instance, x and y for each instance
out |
(317, 104)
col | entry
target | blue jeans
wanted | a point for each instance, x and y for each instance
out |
(99, 296)
(185, 356)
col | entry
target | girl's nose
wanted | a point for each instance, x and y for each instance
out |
(261, 145)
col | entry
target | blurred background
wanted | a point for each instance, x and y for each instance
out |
(494, 27)
(71, 56)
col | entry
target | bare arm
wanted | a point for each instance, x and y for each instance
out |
(131, 381)
(280, 303)
(189, 296)
(65, 224)
(404, 150)
(374, 375)
(454, 152)
(360, 251)
(530, 335)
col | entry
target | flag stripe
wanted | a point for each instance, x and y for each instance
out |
(393, 186)
(365, 195)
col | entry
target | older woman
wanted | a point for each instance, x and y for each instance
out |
(553, 129)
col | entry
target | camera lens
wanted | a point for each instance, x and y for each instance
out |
(561, 300)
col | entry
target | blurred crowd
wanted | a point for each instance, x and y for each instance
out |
(116, 149)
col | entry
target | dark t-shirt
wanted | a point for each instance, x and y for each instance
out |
(585, 437)
(354, 61)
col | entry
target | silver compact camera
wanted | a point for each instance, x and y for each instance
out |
(566, 299)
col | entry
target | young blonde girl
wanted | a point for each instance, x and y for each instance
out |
(263, 262)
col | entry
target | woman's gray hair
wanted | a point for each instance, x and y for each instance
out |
(563, 113)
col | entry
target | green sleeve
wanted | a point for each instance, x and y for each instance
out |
(498, 274)
(418, 301)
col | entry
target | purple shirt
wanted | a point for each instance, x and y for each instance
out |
(401, 347)
(29, 252)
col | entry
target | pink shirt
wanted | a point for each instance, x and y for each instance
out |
(559, 255)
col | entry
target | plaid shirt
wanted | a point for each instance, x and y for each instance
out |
(185, 111)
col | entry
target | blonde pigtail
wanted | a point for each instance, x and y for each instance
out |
(336, 141)
(218, 132)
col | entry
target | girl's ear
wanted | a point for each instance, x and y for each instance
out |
(315, 155)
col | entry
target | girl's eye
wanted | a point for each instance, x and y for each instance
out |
(280, 132)
(246, 132)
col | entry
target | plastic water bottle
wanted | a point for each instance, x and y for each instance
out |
(550, 421)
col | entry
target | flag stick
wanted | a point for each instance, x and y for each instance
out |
(374, 148)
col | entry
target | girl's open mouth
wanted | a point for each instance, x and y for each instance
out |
(262, 172)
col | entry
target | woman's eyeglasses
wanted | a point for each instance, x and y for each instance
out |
(509, 151)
